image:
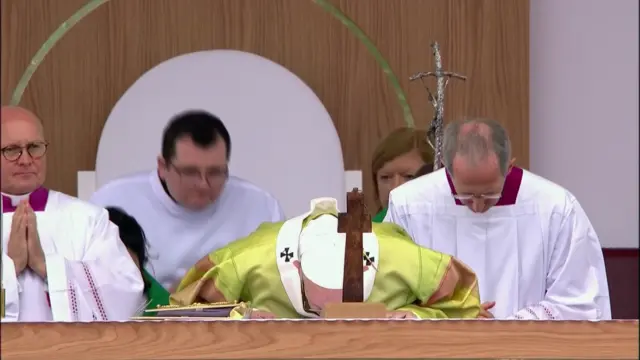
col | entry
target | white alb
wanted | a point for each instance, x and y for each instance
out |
(90, 274)
(536, 255)
(178, 237)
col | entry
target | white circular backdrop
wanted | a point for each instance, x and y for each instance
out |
(282, 137)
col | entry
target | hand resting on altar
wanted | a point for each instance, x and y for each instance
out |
(260, 314)
(401, 315)
(485, 313)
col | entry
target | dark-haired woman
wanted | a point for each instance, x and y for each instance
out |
(133, 237)
(397, 159)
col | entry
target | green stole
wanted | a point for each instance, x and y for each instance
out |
(156, 293)
(380, 216)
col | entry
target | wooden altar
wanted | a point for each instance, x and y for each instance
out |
(278, 339)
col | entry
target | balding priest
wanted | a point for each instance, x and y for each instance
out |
(292, 269)
(530, 242)
(190, 205)
(62, 259)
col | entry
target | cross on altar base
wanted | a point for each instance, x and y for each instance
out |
(354, 223)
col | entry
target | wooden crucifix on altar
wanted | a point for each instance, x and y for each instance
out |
(354, 223)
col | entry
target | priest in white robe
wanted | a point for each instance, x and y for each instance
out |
(62, 259)
(536, 255)
(190, 206)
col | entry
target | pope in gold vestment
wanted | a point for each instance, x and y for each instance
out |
(291, 269)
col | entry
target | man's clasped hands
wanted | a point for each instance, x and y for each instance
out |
(24, 243)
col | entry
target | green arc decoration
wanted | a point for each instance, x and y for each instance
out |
(92, 5)
(57, 34)
(373, 50)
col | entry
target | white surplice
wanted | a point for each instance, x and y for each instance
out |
(178, 237)
(90, 274)
(535, 254)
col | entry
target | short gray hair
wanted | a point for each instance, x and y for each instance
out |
(476, 143)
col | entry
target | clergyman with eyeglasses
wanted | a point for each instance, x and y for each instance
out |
(190, 205)
(531, 244)
(58, 250)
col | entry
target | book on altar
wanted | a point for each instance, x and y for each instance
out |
(233, 310)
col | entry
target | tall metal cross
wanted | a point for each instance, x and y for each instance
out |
(436, 129)
(353, 223)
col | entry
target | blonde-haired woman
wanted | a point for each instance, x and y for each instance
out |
(396, 160)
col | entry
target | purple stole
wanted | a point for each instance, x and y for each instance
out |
(509, 191)
(37, 200)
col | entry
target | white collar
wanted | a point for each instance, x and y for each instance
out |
(15, 199)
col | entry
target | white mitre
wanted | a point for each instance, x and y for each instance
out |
(319, 249)
(321, 252)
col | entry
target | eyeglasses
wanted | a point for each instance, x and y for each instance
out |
(36, 150)
(191, 176)
(481, 197)
(467, 197)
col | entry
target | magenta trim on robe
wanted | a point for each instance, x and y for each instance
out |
(509, 191)
(37, 200)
